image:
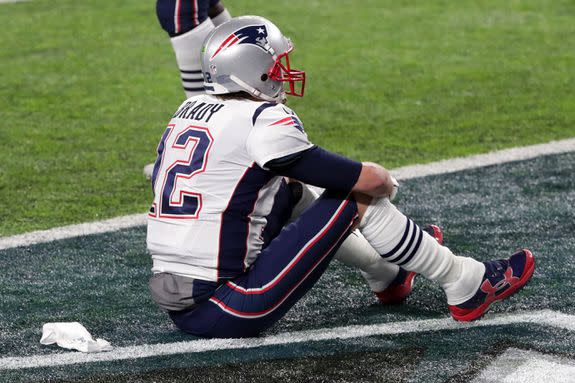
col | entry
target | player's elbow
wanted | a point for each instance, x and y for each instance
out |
(374, 180)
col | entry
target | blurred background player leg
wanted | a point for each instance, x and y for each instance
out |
(188, 22)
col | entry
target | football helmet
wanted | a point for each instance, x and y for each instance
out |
(249, 53)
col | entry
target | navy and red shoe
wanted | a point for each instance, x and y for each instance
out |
(435, 232)
(398, 289)
(502, 278)
(401, 286)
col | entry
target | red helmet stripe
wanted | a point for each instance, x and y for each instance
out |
(231, 40)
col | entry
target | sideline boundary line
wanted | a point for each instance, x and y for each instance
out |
(481, 160)
(403, 173)
(543, 317)
(63, 232)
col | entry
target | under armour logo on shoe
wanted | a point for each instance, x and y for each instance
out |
(508, 280)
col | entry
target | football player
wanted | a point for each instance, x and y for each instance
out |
(225, 263)
(188, 23)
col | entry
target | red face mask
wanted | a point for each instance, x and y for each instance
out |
(294, 79)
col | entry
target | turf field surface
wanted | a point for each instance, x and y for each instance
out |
(100, 280)
(86, 89)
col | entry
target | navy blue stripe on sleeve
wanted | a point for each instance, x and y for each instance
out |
(319, 167)
(260, 109)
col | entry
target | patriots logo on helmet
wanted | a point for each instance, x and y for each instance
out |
(252, 34)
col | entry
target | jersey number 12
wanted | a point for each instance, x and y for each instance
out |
(188, 156)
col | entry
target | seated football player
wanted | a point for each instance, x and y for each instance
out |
(188, 23)
(225, 263)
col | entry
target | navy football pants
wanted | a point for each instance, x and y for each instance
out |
(180, 16)
(284, 271)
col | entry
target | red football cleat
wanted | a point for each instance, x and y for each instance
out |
(435, 232)
(502, 279)
(398, 289)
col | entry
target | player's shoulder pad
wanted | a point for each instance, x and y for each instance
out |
(273, 114)
(260, 109)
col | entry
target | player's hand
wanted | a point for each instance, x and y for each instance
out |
(374, 181)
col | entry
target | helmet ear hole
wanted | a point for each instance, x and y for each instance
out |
(264, 77)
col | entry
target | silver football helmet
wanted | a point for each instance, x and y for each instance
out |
(249, 53)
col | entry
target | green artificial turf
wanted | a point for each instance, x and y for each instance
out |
(86, 88)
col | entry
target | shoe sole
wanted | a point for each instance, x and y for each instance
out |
(479, 311)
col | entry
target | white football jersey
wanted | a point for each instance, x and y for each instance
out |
(211, 191)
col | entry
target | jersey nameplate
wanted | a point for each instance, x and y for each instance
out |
(201, 111)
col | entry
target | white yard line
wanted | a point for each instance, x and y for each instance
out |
(481, 160)
(71, 231)
(407, 172)
(544, 318)
(11, 1)
(523, 366)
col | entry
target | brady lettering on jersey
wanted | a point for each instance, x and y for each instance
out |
(194, 110)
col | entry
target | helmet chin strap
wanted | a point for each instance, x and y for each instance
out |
(279, 98)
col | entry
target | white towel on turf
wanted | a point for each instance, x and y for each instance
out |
(73, 336)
